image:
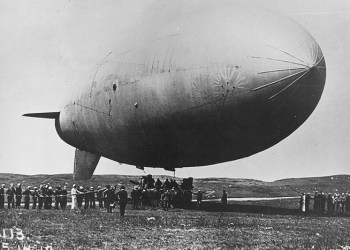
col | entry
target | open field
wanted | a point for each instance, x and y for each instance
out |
(266, 224)
(177, 229)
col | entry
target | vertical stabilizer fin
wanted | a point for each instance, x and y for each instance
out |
(84, 164)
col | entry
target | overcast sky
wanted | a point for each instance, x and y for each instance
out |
(46, 46)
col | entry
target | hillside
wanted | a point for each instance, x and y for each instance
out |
(212, 186)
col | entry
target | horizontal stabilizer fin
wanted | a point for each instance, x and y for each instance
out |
(47, 115)
(84, 164)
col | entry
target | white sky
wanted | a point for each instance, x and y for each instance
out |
(45, 46)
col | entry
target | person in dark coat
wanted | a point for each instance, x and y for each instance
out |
(57, 194)
(166, 198)
(330, 204)
(35, 195)
(86, 199)
(27, 193)
(41, 198)
(224, 197)
(80, 196)
(108, 194)
(49, 194)
(199, 198)
(64, 196)
(135, 198)
(2, 196)
(18, 194)
(323, 203)
(307, 203)
(10, 193)
(100, 196)
(122, 198)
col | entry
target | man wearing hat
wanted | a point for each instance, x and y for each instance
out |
(27, 194)
(41, 198)
(18, 193)
(80, 196)
(64, 194)
(100, 196)
(108, 198)
(92, 197)
(2, 196)
(49, 194)
(10, 192)
(73, 192)
(35, 195)
(58, 193)
(123, 198)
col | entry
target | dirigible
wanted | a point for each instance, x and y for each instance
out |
(208, 86)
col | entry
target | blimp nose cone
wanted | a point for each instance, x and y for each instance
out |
(291, 86)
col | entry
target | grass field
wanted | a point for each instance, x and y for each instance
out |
(272, 224)
(179, 229)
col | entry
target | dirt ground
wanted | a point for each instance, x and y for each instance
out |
(224, 228)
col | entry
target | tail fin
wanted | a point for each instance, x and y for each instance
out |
(84, 164)
(47, 115)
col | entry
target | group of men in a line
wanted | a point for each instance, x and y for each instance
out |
(42, 197)
(330, 204)
(107, 197)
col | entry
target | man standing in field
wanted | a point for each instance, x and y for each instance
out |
(92, 197)
(73, 192)
(64, 194)
(35, 195)
(123, 198)
(41, 198)
(302, 203)
(199, 199)
(27, 193)
(224, 197)
(100, 196)
(18, 193)
(134, 198)
(108, 198)
(57, 194)
(307, 203)
(2, 196)
(10, 196)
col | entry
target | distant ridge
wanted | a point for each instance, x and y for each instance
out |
(211, 186)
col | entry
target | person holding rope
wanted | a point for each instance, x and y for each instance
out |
(18, 194)
(2, 196)
(41, 198)
(64, 196)
(302, 203)
(302, 200)
(73, 192)
(10, 192)
(35, 195)
(57, 194)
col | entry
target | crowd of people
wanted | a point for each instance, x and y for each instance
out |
(330, 204)
(45, 197)
(147, 191)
